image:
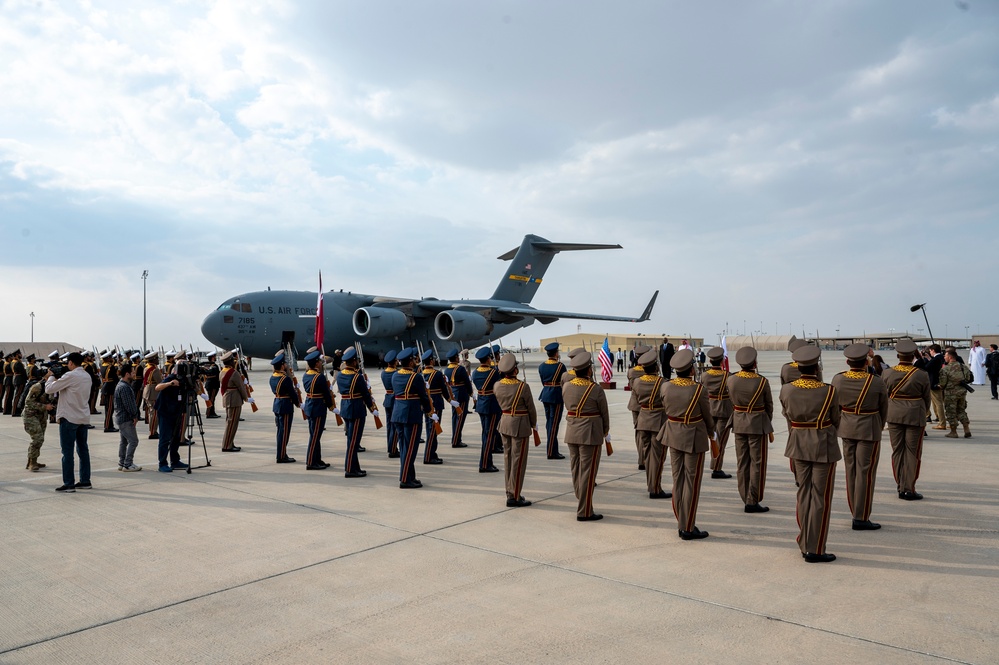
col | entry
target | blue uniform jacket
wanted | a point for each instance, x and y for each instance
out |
(389, 400)
(457, 378)
(437, 387)
(551, 372)
(318, 398)
(355, 397)
(484, 379)
(285, 395)
(411, 398)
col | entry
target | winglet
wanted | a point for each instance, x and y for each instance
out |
(648, 308)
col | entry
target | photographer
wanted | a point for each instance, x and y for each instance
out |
(169, 411)
(73, 414)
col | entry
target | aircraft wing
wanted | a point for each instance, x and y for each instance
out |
(542, 314)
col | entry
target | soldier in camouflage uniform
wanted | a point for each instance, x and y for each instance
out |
(955, 396)
(37, 405)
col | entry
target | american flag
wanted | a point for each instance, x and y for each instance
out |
(320, 327)
(606, 362)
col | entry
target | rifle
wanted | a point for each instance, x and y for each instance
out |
(241, 368)
(360, 364)
(339, 418)
(290, 370)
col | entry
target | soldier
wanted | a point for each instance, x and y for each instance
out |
(519, 419)
(91, 368)
(8, 384)
(813, 411)
(461, 391)
(646, 389)
(211, 372)
(355, 402)
(109, 381)
(285, 400)
(439, 390)
(234, 394)
(685, 431)
(20, 381)
(635, 372)
(391, 433)
(953, 377)
(411, 403)
(3, 372)
(863, 400)
(465, 362)
(551, 372)
(484, 377)
(908, 402)
(150, 378)
(37, 405)
(587, 426)
(318, 402)
(752, 423)
(570, 374)
(789, 371)
(715, 382)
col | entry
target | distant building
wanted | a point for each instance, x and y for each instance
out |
(593, 341)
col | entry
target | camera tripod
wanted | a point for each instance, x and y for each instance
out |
(192, 415)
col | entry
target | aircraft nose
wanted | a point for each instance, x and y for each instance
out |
(211, 327)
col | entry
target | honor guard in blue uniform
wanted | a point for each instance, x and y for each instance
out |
(391, 433)
(412, 402)
(461, 392)
(285, 400)
(484, 376)
(551, 372)
(318, 403)
(439, 390)
(355, 402)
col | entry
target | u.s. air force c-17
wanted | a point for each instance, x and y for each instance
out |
(264, 321)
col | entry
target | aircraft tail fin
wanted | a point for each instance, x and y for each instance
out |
(528, 265)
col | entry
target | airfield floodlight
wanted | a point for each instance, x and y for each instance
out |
(145, 274)
(32, 327)
(915, 308)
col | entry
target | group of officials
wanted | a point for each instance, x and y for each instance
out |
(688, 417)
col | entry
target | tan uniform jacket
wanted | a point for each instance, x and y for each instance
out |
(647, 389)
(863, 401)
(588, 426)
(154, 379)
(234, 391)
(814, 405)
(908, 395)
(752, 403)
(688, 416)
(634, 373)
(789, 372)
(716, 382)
(519, 415)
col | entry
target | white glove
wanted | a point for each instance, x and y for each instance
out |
(369, 384)
(376, 414)
(607, 438)
(204, 396)
(251, 401)
(336, 411)
(435, 418)
(454, 403)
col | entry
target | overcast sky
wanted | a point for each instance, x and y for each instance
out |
(790, 165)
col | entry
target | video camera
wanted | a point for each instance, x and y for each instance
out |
(188, 374)
(56, 367)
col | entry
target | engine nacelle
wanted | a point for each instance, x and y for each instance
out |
(379, 322)
(457, 325)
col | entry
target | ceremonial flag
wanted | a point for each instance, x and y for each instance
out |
(606, 363)
(320, 331)
(724, 346)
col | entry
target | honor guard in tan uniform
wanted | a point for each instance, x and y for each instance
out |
(151, 377)
(587, 427)
(715, 381)
(686, 431)
(908, 401)
(634, 373)
(789, 371)
(863, 400)
(647, 388)
(517, 423)
(812, 409)
(234, 393)
(752, 424)
(570, 373)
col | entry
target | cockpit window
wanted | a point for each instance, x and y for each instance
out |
(245, 307)
(235, 306)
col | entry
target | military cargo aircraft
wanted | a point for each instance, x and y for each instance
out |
(262, 322)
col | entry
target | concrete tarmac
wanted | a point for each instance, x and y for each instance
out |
(247, 561)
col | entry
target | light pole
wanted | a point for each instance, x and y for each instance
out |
(32, 327)
(145, 274)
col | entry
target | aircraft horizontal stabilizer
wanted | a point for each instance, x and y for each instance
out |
(555, 247)
(541, 314)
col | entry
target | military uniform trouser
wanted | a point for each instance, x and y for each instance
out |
(584, 461)
(18, 392)
(283, 423)
(489, 423)
(861, 461)
(151, 417)
(553, 418)
(391, 431)
(687, 471)
(815, 489)
(8, 398)
(956, 406)
(515, 462)
(232, 414)
(937, 400)
(458, 422)
(721, 432)
(430, 452)
(35, 427)
(751, 466)
(653, 461)
(409, 447)
(906, 454)
(638, 439)
(314, 453)
(353, 429)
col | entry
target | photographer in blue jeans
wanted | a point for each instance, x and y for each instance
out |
(169, 409)
(73, 416)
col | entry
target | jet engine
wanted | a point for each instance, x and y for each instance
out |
(379, 322)
(457, 325)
